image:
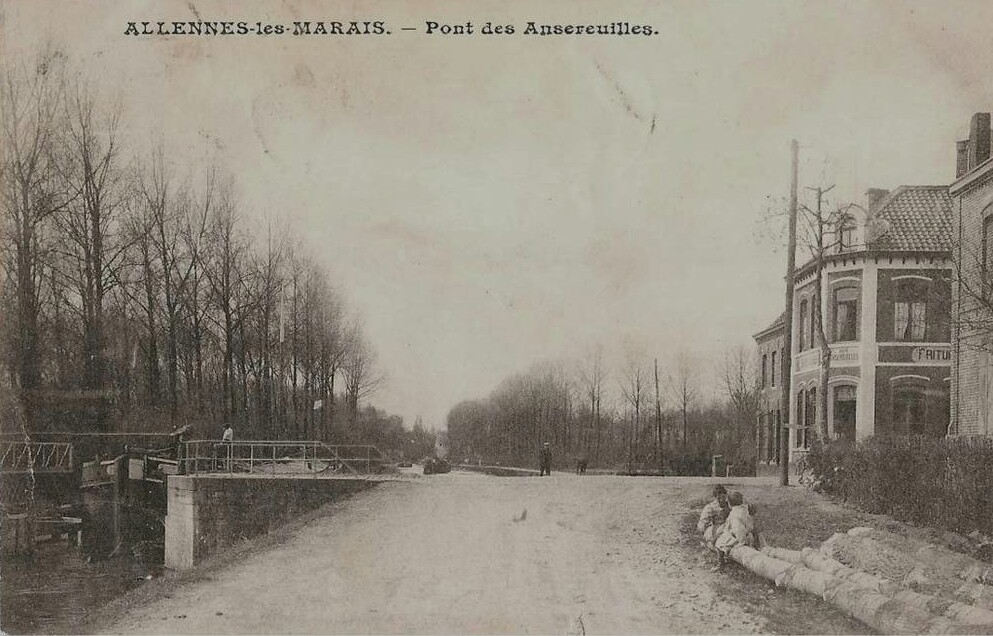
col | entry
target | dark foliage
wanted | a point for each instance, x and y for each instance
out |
(942, 483)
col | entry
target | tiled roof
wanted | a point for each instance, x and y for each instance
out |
(914, 219)
(777, 323)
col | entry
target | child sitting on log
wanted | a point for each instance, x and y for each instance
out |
(713, 515)
(739, 529)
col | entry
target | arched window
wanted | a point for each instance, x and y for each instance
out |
(806, 413)
(799, 417)
(909, 409)
(772, 369)
(809, 416)
(765, 366)
(802, 327)
(846, 233)
(845, 401)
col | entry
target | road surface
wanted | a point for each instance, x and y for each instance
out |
(470, 553)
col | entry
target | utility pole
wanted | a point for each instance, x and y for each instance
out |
(787, 357)
(658, 418)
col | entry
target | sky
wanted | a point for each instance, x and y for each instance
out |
(488, 202)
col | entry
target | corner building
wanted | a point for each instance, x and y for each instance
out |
(972, 204)
(769, 423)
(885, 303)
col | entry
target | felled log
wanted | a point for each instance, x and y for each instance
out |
(792, 556)
(900, 613)
(816, 560)
(975, 594)
(761, 564)
(911, 562)
(806, 580)
(934, 604)
(968, 614)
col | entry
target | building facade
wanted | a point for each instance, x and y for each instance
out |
(769, 424)
(885, 307)
(972, 205)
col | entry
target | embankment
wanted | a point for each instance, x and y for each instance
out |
(207, 513)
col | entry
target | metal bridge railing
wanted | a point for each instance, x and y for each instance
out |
(274, 457)
(25, 457)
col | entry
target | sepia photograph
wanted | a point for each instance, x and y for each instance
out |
(520, 317)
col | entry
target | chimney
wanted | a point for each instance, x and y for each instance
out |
(873, 196)
(979, 139)
(961, 157)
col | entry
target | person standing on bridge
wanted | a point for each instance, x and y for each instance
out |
(227, 439)
(545, 460)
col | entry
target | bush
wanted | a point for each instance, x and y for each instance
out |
(943, 483)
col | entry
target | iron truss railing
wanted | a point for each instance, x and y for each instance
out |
(274, 457)
(44, 457)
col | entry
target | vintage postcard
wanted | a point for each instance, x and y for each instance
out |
(416, 317)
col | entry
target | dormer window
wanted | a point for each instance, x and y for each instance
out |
(846, 233)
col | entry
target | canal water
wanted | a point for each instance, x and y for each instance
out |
(54, 591)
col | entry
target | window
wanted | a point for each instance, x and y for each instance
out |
(846, 313)
(909, 410)
(809, 415)
(798, 441)
(802, 327)
(910, 310)
(908, 320)
(844, 412)
(806, 413)
(779, 431)
(846, 233)
(764, 366)
(769, 449)
(986, 278)
(772, 369)
(762, 424)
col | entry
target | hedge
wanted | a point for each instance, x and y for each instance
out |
(938, 482)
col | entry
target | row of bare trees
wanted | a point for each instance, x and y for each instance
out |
(136, 295)
(631, 418)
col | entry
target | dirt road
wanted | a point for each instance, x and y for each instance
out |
(468, 553)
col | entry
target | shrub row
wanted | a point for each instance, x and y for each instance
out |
(938, 482)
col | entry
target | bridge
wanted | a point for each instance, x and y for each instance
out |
(214, 491)
(35, 457)
(279, 457)
(230, 490)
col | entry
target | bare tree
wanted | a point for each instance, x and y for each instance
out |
(92, 243)
(31, 194)
(591, 376)
(224, 269)
(361, 377)
(738, 375)
(658, 419)
(682, 386)
(821, 238)
(632, 387)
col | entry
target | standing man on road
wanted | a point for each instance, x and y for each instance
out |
(545, 460)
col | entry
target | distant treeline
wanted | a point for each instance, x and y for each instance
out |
(569, 406)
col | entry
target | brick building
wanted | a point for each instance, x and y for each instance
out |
(885, 299)
(972, 204)
(769, 424)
